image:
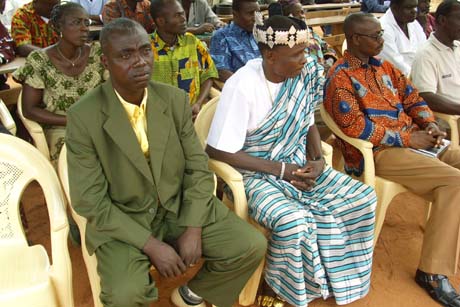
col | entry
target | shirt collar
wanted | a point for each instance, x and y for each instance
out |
(29, 8)
(160, 44)
(355, 63)
(236, 28)
(440, 46)
(130, 107)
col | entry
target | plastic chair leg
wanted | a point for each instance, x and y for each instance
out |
(385, 190)
(248, 294)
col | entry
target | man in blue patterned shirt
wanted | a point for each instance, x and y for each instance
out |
(233, 46)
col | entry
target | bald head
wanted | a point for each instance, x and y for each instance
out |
(364, 35)
(116, 28)
(355, 22)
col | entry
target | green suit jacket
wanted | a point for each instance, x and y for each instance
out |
(111, 182)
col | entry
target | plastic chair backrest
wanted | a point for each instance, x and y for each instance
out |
(204, 119)
(368, 177)
(6, 118)
(20, 164)
(35, 130)
(90, 260)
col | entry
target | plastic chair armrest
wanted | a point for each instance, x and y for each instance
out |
(364, 147)
(6, 118)
(235, 182)
(452, 120)
(327, 152)
(213, 92)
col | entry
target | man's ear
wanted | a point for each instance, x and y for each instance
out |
(441, 20)
(270, 56)
(104, 61)
(159, 21)
(354, 40)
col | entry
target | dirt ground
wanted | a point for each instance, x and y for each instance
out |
(395, 258)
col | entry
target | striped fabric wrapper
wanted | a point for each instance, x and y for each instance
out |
(322, 239)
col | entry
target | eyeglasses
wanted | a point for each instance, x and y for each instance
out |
(374, 37)
(79, 22)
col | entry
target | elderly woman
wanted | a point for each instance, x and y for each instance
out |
(54, 78)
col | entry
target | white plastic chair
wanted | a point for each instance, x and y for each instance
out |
(6, 118)
(234, 180)
(452, 120)
(385, 189)
(90, 260)
(35, 130)
(27, 278)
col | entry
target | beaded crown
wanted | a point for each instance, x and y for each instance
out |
(271, 37)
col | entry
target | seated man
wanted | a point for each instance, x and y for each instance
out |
(375, 6)
(320, 50)
(436, 68)
(403, 34)
(139, 175)
(264, 4)
(137, 10)
(180, 59)
(94, 9)
(200, 17)
(30, 28)
(371, 100)
(10, 8)
(320, 220)
(234, 45)
(424, 18)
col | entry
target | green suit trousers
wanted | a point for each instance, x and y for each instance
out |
(232, 250)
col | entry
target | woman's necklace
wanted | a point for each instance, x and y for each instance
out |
(72, 62)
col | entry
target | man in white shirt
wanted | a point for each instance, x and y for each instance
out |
(200, 17)
(10, 8)
(403, 34)
(264, 126)
(94, 9)
(436, 68)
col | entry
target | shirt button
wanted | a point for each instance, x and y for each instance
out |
(152, 210)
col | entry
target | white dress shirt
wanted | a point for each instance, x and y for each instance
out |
(398, 49)
(245, 102)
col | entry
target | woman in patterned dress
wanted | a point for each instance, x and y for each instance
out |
(54, 78)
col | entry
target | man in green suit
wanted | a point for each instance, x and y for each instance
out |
(138, 173)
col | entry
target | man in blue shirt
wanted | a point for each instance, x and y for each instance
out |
(375, 6)
(234, 45)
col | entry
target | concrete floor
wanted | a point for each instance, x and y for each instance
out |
(395, 259)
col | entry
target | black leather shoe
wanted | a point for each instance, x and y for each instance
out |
(439, 288)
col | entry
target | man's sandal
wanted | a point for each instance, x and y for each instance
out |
(439, 288)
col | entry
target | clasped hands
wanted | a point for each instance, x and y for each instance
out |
(304, 177)
(432, 136)
(167, 260)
